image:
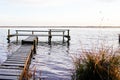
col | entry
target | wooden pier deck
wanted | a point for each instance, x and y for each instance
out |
(16, 66)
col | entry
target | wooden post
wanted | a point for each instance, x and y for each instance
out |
(32, 32)
(34, 43)
(8, 37)
(16, 36)
(37, 40)
(119, 38)
(68, 37)
(63, 35)
(49, 37)
(68, 32)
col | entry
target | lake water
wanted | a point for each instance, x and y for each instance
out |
(55, 62)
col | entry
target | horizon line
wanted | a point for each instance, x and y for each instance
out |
(59, 26)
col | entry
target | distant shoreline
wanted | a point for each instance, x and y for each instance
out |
(59, 26)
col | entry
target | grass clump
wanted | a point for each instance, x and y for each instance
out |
(102, 64)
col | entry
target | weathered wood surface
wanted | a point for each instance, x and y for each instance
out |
(30, 40)
(42, 35)
(65, 33)
(10, 72)
(7, 77)
(16, 64)
(13, 64)
(53, 30)
(10, 67)
(15, 59)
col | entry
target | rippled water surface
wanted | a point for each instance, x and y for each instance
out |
(55, 62)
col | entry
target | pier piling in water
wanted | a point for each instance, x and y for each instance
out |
(119, 39)
(49, 37)
(63, 36)
(16, 36)
(8, 36)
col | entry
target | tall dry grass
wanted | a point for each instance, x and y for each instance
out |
(102, 64)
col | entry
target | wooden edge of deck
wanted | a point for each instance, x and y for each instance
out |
(23, 74)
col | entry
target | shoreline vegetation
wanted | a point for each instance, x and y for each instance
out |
(101, 64)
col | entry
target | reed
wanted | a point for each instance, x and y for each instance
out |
(102, 64)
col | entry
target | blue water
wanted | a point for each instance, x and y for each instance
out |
(55, 62)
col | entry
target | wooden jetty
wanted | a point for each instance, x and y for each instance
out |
(16, 66)
(65, 34)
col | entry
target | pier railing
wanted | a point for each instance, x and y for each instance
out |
(65, 34)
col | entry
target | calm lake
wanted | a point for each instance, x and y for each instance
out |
(55, 62)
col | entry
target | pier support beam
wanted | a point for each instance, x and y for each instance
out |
(63, 36)
(68, 36)
(37, 40)
(8, 36)
(49, 37)
(119, 38)
(16, 36)
(34, 44)
(32, 32)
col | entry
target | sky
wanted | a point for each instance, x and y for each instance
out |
(59, 12)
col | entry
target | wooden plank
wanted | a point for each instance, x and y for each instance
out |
(18, 57)
(23, 46)
(13, 64)
(40, 35)
(20, 52)
(12, 59)
(57, 30)
(32, 30)
(10, 72)
(18, 62)
(4, 77)
(10, 67)
(24, 50)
